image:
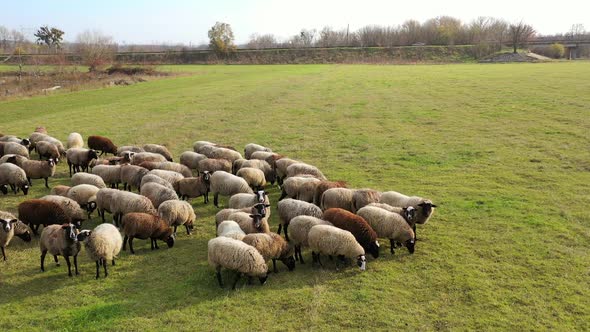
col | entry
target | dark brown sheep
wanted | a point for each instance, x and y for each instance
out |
(35, 212)
(142, 226)
(102, 144)
(359, 227)
(323, 186)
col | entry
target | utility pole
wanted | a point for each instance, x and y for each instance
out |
(347, 29)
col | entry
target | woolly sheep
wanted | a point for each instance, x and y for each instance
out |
(57, 143)
(322, 186)
(34, 138)
(227, 184)
(195, 187)
(253, 176)
(60, 240)
(291, 208)
(87, 178)
(230, 228)
(299, 229)
(37, 169)
(157, 193)
(79, 159)
(169, 166)
(300, 188)
(148, 178)
(11, 138)
(178, 213)
(333, 241)
(123, 202)
(41, 129)
(250, 222)
(159, 149)
(239, 201)
(129, 148)
(424, 207)
(144, 226)
(269, 157)
(11, 174)
(18, 159)
(191, 159)
(140, 157)
(111, 174)
(363, 197)
(131, 176)
(213, 165)
(104, 198)
(281, 166)
(269, 173)
(199, 145)
(251, 148)
(59, 190)
(337, 198)
(237, 256)
(225, 153)
(72, 209)
(303, 168)
(359, 227)
(170, 176)
(259, 209)
(102, 144)
(47, 150)
(6, 232)
(15, 148)
(392, 226)
(85, 195)
(102, 245)
(75, 141)
(272, 246)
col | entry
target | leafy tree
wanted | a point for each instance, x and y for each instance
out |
(221, 39)
(556, 50)
(49, 36)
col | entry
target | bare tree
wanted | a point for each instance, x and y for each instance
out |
(520, 33)
(576, 32)
(329, 37)
(95, 48)
(262, 41)
(411, 32)
(307, 37)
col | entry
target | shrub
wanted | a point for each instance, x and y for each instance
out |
(556, 51)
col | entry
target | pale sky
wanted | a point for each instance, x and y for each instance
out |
(183, 21)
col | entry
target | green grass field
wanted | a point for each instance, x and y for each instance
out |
(502, 149)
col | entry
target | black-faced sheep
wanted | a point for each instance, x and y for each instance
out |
(281, 166)
(424, 207)
(291, 208)
(253, 176)
(85, 195)
(47, 150)
(194, 187)
(6, 232)
(299, 229)
(102, 144)
(237, 256)
(159, 149)
(261, 209)
(364, 197)
(337, 198)
(272, 246)
(227, 184)
(250, 222)
(333, 241)
(12, 175)
(131, 176)
(300, 188)
(393, 226)
(37, 169)
(239, 201)
(144, 226)
(178, 213)
(359, 227)
(60, 240)
(102, 245)
(13, 148)
(78, 159)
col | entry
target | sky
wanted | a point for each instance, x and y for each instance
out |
(187, 22)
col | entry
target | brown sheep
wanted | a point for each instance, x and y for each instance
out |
(272, 246)
(142, 226)
(102, 144)
(359, 227)
(35, 212)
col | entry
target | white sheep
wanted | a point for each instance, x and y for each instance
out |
(191, 159)
(140, 157)
(291, 208)
(39, 169)
(123, 202)
(178, 213)
(6, 231)
(269, 173)
(170, 176)
(169, 166)
(251, 148)
(79, 159)
(303, 168)
(281, 166)
(87, 178)
(157, 193)
(15, 148)
(75, 140)
(237, 256)
(364, 197)
(227, 184)
(102, 245)
(299, 229)
(337, 198)
(129, 148)
(333, 241)
(230, 228)
(424, 207)
(104, 198)
(47, 150)
(253, 176)
(224, 153)
(148, 178)
(60, 240)
(272, 247)
(111, 174)
(392, 226)
(299, 187)
(85, 195)
(131, 176)
(194, 187)
(159, 149)
(11, 174)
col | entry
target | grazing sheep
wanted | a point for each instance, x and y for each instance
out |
(224, 153)
(79, 159)
(322, 186)
(170, 176)
(424, 207)
(253, 176)
(237, 256)
(281, 166)
(111, 174)
(41, 129)
(362, 231)
(236, 165)
(259, 209)
(85, 195)
(178, 213)
(393, 226)
(60, 240)
(129, 148)
(250, 222)
(272, 246)
(47, 150)
(140, 157)
(148, 178)
(12, 175)
(167, 166)
(75, 140)
(104, 198)
(297, 169)
(269, 157)
(239, 201)
(72, 209)
(199, 145)
(291, 208)
(251, 148)
(159, 149)
(364, 197)
(299, 187)
(333, 241)
(14, 148)
(11, 138)
(6, 232)
(37, 169)
(60, 190)
(131, 176)
(37, 138)
(87, 178)
(269, 173)
(298, 230)
(191, 159)
(34, 138)
(123, 202)
(102, 144)
(144, 226)
(195, 187)
(16, 158)
(227, 184)
(230, 228)
(102, 245)
(157, 193)
(214, 165)
(337, 198)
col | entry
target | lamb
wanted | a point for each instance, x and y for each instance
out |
(79, 159)
(214, 165)
(362, 231)
(123, 202)
(6, 232)
(102, 245)
(251, 148)
(154, 178)
(237, 256)
(102, 144)
(230, 228)
(157, 193)
(364, 197)
(303, 168)
(259, 209)
(299, 229)
(167, 166)
(75, 141)
(84, 195)
(239, 201)
(291, 208)
(178, 213)
(424, 207)
(191, 159)
(333, 241)
(195, 187)
(253, 176)
(322, 186)
(250, 222)
(128, 148)
(72, 209)
(170, 176)
(393, 226)
(159, 149)
(37, 169)
(143, 226)
(12, 175)
(60, 190)
(14, 148)
(87, 178)
(111, 174)
(47, 150)
(140, 157)
(272, 246)
(131, 176)
(60, 240)
(281, 166)
(227, 184)
(300, 188)
(337, 198)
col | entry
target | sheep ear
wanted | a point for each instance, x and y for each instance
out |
(267, 205)
(252, 216)
(421, 204)
(433, 205)
(13, 221)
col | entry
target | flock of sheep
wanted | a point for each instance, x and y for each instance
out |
(314, 212)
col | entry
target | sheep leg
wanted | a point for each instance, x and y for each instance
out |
(156, 244)
(188, 232)
(113, 262)
(300, 255)
(46, 185)
(216, 200)
(104, 264)
(124, 243)
(319, 260)
(175, 227)
(69, 265)
(43, 253)
(3, 253)
(131, 245)
(286, 233)
(76, 263)
(218, 273)
(283, 194)
(280, 227)
(238, 276)
(70, 167)
(274, 266)
(30, 183)
(97, 268)
(391, 246)
(152, 244)
(415, 235)
(55, 259)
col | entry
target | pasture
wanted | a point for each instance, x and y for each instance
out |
(503, 150)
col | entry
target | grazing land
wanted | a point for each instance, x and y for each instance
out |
(503, 150)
